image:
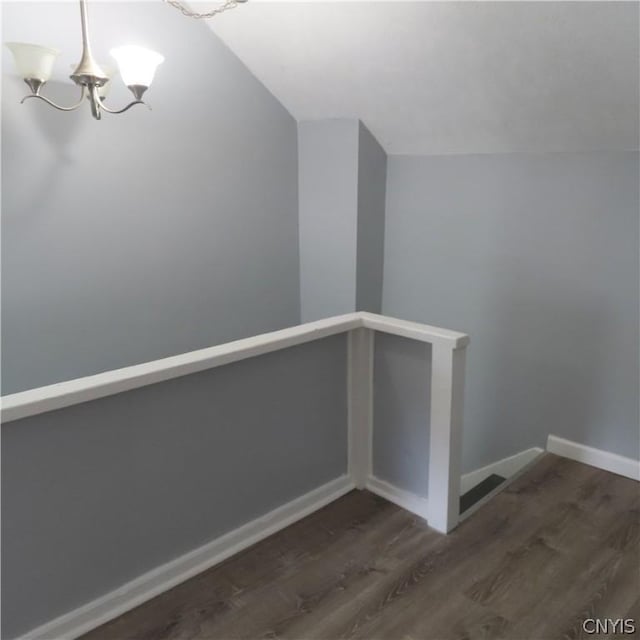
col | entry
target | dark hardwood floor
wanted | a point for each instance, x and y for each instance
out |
(560, 544)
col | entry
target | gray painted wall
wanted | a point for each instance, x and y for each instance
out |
(372, 181)
(328, 188)
(342, 179)
(149, 233)
(401, 419)
(536, 257)
(161, 470)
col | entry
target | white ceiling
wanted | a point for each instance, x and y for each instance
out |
(451, 77)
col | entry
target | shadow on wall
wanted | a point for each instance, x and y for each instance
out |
(146, 234)
(542, 361)
(57, 133)
(536, 257)
(401, 415)
(59, 130)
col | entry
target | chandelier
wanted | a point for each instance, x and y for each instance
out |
(137, 66)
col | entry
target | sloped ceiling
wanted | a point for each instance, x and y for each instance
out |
(451, 77)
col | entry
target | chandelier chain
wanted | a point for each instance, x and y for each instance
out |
(228, 4)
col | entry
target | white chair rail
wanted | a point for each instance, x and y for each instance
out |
(447, 384)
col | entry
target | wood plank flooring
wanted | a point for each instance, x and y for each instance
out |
(560, 544)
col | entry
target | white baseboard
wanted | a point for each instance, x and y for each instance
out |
(130, 595)
(506, 468)
(613, 462)
(93, 614)
(405, 499)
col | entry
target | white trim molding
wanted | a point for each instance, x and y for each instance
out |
(126, 597)
(441, 510)
(406, 499)
(447, 389)
(509, 468)
(506, 467)
(64, 394)
(413, 330)
(627, 467)
(445, 436)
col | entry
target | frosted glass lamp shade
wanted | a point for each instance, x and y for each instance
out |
(33, 61)
(137, 65)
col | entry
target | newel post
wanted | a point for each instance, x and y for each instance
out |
(447, 391)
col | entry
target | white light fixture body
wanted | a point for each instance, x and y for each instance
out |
(137, 66)
(110, 71)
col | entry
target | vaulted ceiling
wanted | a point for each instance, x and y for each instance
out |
(451, 77)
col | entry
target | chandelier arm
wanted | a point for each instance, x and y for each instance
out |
(131, 104)
(53, 104)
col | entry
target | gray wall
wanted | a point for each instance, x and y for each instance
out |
(150, 233)
(401, 412)
(536, 257)
(342, 180)
(328, 187)
(161, 470)
(372, 180)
